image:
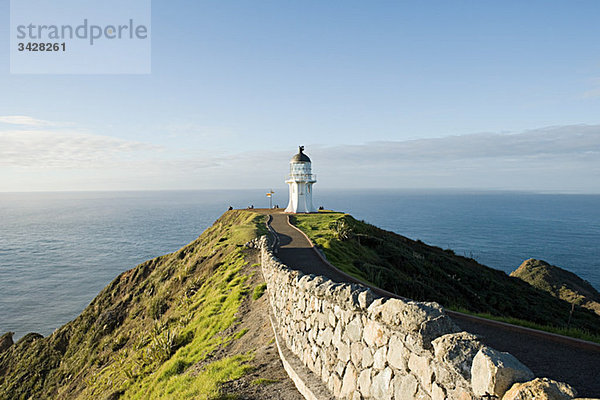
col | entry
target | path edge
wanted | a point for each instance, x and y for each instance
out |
(586, 344)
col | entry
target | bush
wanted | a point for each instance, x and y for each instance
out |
(158, 306)
(259, 291)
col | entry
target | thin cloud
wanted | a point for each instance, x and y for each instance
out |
(553, 158)
(64, 149)
(25, 121)
(591, 94)
(563, 158)
(594, 91)
(572, 141)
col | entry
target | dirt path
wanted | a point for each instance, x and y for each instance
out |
(267, 380)
(558, 358)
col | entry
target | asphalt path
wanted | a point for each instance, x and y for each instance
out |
(547, 355)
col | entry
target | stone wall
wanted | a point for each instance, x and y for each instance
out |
(383, 348)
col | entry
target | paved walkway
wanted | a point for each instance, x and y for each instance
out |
(558, 358)
(296, 251)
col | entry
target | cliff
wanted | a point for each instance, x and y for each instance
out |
(559, 283)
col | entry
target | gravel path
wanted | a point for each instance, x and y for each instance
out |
(547, 355)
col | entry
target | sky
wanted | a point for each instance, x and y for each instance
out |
(384, 94)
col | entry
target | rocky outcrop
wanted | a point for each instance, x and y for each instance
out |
(559, 282)
(6, 341)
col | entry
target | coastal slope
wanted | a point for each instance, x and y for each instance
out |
(194, 323)
(559, 283)
(177, 326)
(413, 269)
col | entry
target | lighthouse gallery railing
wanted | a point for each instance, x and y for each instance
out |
(301, 177)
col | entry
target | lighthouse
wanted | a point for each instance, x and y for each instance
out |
(300, 181)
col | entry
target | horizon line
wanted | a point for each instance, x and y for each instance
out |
(407, 189)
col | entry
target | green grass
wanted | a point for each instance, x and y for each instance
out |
(204, 385)
(210, 311)
(559, 282)
(240, 334)
(320, 229)
(214, 307)
(259, 290)
(148, 333)
(415, 270)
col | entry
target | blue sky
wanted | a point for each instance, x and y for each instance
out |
(236, 83)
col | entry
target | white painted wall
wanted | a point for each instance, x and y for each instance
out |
(300, 183)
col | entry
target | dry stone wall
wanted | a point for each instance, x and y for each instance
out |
(383, 348)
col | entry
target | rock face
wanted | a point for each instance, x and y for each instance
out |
(495, 372)
(383, 348)
(6, 341)
(540, 389)
(559, 283)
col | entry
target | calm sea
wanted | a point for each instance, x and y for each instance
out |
(58, 250)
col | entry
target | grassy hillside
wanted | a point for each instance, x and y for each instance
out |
(559, 283)
(154, 332)
(413, 269)
(185, 325)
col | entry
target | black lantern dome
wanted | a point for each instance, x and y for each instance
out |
(300, 157)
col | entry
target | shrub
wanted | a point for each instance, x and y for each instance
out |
(158, 306)
(259, 291)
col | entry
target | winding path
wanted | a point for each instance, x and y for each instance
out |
(547, 355)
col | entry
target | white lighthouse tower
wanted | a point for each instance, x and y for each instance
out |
(300, 180)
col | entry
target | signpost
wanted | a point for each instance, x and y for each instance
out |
(270, 196)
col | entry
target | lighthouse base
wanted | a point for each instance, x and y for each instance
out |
(300, 198)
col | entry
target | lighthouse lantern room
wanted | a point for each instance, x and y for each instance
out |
(300, 181)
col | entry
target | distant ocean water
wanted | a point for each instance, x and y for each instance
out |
(58, 250)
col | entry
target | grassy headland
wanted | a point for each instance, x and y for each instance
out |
(416, 270)
(559, 283)
(174, 327)
(153, 332)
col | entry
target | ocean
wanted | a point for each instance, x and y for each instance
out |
(58, 250)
